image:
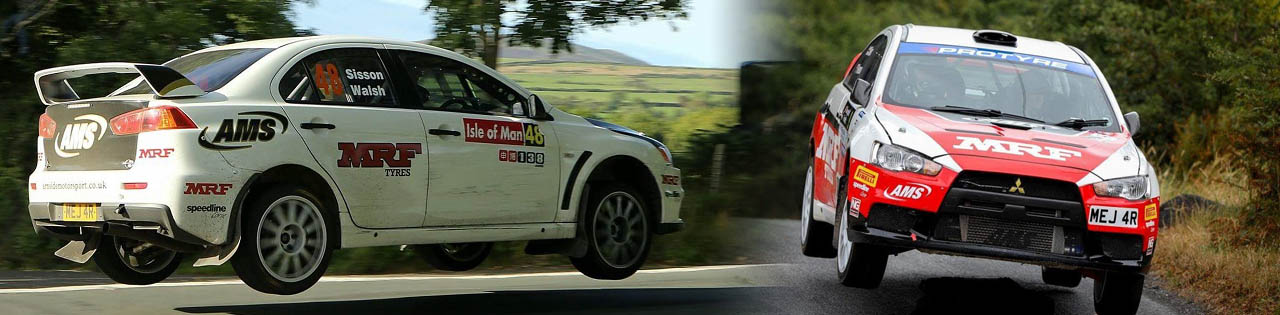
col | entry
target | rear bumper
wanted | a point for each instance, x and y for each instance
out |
(143, 221)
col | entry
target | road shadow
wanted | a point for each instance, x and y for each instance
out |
(950, 295)
(590, 301)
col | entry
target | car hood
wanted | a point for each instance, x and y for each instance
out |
(995, 138)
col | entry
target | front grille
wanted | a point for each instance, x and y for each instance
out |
(1004, 233)
(1018, 185)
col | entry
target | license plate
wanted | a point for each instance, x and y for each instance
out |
(80, 212)
(1113, 216)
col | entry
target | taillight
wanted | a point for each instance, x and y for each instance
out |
(47, 126)
(133, 186)
(150, 119)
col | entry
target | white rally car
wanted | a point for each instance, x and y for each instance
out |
(984, 144)
(273, 154)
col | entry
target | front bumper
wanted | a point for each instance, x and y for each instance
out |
(927, 244)
(152, 222)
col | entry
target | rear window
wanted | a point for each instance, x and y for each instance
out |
(210, 70)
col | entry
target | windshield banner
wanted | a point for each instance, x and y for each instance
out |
(935, 49)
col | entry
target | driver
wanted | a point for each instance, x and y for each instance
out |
(1038, 91)
(938, 85)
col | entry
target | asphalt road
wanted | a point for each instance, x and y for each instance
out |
(919, 283)
(915, 283)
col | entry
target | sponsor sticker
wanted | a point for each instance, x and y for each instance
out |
(671, 180)
(855, 206)
(79, 135)
(1014, 148)
(861, 186)
(1149, 212)
(503, 132)
(1113, 216)
(394, 158)
(1151, 245)
(74, 186)
(242, 132)
(522, 157)
(918, 48)
(866, 176)
(219, 189)
(911, 191)
(154, 153)
(215, 210)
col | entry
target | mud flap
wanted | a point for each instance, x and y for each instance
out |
(217, 255)
(79, 251)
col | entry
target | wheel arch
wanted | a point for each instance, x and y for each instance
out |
(632, 172)
(287, 174)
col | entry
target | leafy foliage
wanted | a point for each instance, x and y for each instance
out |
(476, 27)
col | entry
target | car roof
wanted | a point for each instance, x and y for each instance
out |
(964, 37)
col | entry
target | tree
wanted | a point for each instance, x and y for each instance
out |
(476, 27)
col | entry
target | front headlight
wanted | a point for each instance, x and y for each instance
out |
(1131, 188)
(900, 159)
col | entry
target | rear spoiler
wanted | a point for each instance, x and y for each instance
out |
(165, 82)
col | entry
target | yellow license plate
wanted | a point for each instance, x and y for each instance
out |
(81, 212)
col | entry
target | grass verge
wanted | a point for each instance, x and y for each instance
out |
(1198, 258)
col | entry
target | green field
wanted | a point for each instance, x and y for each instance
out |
(579, 84)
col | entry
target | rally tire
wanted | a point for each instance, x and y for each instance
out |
(815, 237)
(1117, 293)
(857, 265)
(135, 262)
(618, 233)
(454, 257)
(287, 242)
(1060, 277)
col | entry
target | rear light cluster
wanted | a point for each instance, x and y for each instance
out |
(150, 119)
(134, 122)
(47, 126)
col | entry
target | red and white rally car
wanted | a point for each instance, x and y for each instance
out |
(983, 144)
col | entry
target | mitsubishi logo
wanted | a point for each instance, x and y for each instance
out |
(1017, 187)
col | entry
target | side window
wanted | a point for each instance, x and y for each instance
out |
(869, 64)
(445, 84)
(348, 76)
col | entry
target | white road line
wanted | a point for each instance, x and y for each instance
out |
(359, 279)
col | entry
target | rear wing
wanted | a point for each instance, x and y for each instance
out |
(165, 82)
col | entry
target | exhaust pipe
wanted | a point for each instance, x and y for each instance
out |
(126, 231)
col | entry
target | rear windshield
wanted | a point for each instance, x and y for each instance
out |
(1050, 90)
(210, 70)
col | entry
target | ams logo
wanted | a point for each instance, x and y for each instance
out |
(79, 135)
(240, 133)
(911, 191)
(396, 157)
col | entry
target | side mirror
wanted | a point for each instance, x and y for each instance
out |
(1131, 119)
(538, 109)
(861, 92)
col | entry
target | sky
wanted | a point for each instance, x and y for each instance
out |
(708, 38)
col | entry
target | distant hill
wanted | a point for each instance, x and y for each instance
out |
(580, 54)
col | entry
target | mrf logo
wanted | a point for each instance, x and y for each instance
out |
(395, 157)
(911, 191)
(79, 135)
(154, 153)
(503, 132)
(242, 132)
(1014, 148)
(207, 189)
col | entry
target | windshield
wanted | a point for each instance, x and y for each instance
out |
(1049, 90)
(209, 70)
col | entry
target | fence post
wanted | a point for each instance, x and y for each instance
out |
(717, 162)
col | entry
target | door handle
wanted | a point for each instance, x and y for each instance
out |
(308, 125)
(444, 132)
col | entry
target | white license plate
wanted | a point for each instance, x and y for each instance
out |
(1113, 216)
